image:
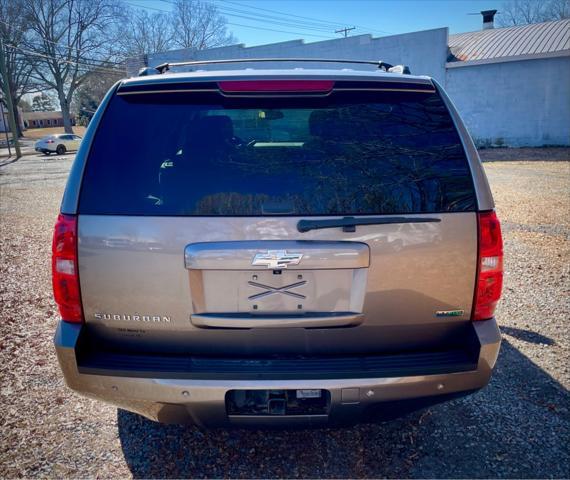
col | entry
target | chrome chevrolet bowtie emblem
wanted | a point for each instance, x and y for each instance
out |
(276, 259)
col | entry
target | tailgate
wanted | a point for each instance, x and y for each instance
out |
(176, 283)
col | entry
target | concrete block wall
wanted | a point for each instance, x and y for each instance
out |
(424, 52)
(515, 104)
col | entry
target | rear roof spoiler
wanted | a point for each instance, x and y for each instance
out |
(164, 67)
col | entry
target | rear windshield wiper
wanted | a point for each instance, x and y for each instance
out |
(349, 224)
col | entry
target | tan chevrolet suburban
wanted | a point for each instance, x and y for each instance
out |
(277, 247)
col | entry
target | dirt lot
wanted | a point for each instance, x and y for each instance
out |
(519, 426)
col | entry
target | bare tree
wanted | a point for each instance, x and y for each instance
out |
(19, 67)
(69, 39)
(522, 12)
(139, 32)
(558, 9)
(199, 25)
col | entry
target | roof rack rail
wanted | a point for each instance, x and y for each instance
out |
(164, 67)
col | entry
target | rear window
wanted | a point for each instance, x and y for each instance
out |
(203, 154)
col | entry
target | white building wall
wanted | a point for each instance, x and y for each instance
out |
(515, 104)
(424, 52)
(5, 123)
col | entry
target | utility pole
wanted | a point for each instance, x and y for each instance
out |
(345, 31)
(9, 103)
(4, 120)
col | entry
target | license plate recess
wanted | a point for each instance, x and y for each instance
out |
(278, 402)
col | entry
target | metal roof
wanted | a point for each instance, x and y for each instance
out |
(535, 40)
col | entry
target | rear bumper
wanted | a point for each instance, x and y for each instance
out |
(201, 399)
(44, 150)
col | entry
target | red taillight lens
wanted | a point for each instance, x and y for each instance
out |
(65, 277)
(49, 141)
(281, 86)
(490, 267)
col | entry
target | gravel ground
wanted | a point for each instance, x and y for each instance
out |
(518, 427)
(518, 154)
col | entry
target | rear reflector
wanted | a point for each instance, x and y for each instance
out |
(281, 86)
(65, 277)
(490, 267)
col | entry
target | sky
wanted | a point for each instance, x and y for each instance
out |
(255, 22)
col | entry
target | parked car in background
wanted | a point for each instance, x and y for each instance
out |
(277, 247)
(60, 143)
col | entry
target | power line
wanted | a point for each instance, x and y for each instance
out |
(50, 57)
(272, 19)
(60, 60)
(237, 24)
(85, 59)
(314, 26)
(259, 17)
(275, 22)
(145, 7)
(306, 22)
(329, 24)
(278, 31)
(336, 24)
(62, 46)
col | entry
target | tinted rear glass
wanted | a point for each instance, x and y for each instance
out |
(347, 153)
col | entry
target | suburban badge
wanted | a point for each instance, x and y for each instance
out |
(132, 318)
(449, 313)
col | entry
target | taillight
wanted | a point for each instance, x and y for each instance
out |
(65, 276)
(490, 267)
(49, 141)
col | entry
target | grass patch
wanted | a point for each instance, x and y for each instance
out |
(37, 133)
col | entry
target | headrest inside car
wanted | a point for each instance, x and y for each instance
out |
(210, 130)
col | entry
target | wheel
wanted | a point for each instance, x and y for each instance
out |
(60, 149)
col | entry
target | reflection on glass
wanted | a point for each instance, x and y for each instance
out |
(356, 154)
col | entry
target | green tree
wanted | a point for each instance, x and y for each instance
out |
(25, 105)
(90, 93)
(42, 103)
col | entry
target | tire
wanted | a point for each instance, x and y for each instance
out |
(60, 150)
